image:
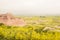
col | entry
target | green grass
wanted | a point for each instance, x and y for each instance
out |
(32, 31)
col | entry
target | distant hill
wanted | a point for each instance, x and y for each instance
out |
(9, 19)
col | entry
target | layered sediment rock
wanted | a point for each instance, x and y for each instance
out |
(9, 19)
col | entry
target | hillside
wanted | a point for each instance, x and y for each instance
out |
(33, 28)
(11, 20)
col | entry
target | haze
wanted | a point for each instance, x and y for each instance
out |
(30, 7)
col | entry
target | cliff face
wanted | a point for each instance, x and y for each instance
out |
(9, 19)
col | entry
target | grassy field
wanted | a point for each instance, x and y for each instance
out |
(37, 28)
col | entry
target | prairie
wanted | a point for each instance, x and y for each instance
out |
(37, 28)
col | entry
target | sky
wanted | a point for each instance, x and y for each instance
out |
(30, 7)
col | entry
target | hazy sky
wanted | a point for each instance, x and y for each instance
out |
(30, 7)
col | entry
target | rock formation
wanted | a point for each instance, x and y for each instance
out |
(9, 19)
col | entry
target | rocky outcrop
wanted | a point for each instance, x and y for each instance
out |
(9, 19)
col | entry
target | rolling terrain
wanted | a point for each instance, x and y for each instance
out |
(36, 28)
